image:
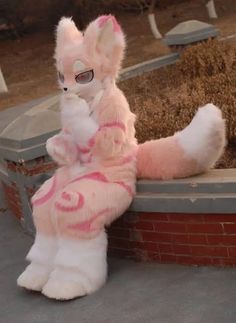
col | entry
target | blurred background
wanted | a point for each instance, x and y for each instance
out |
(27, 35)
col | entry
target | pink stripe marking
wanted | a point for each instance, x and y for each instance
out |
(47, 196)
(97, 176)
(126, 187)
(116, 124)
(91, 141)
(83, 150)
(63, 208)
(85, 226)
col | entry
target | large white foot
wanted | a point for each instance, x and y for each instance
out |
(41, 256)
(34, 277)
(204, 138)
(80, 268)
(66, 284)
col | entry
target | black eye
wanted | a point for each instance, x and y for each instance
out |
(61, 77)
(84, 77)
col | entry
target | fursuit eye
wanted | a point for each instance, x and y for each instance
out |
(84, 77)
(61, 77)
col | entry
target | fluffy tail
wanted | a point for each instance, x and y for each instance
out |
(191, 151)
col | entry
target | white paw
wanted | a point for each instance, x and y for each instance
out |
(34, 277)
(63, 290)
(204, 138)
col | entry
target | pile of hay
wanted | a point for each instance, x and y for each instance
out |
(166, 100)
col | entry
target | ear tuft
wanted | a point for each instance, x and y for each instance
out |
(66, 33)
(104, 37)
(104, 19)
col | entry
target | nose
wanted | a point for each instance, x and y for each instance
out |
(65, 89)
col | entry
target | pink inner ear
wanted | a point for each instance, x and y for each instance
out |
(103, 19)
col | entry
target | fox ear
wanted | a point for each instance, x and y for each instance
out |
(105, 37)
(66, 33)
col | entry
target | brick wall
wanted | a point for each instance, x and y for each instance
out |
(12, 198)
(30, 168)
(192, 239)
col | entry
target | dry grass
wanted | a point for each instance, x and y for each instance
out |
(166, 100)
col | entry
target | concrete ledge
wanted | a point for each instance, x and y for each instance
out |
(213, 192)
(147, 66)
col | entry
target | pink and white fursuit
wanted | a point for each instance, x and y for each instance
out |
(99, 160)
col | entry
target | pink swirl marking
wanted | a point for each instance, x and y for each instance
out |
(67, 197)
(85, 226)
(41, 200)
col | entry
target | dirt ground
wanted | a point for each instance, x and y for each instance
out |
(28, 65)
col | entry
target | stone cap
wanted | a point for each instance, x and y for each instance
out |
(190, 31)
(28, 127)
(212, 192)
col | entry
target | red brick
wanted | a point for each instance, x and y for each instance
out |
(197, 239)
(119, 223)
(224, 261)
(229, 239)
(168, 258)
(119, 243)
(180, 238)
(130, 217)
(226, 240)
(156, 237)
(116, 252)
(144, 226)
(189, 260)
(216, 239)
(181, 249)
(165, 248)
(222, 218)
(155, 217)
(170, 227)
(205, 228)
(209, 251)
(230, 228)
(177, 217)
(203, 261)
(136, 235)
(149, 256)
(232, 251)
(136, 245)
(118, 232)
(150, 246)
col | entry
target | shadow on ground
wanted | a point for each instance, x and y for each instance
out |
(135, 292)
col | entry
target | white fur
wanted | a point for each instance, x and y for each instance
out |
(41, 255)
(58, 151)
(34, 277)
(80, 268)
(75, 116)
(43, 250)
(204, 138)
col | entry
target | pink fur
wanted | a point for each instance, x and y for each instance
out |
(101, 160)
(164, 159)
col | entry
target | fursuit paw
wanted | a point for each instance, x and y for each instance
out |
(62, 149)
(34, 277)
(204, 138)
(66, 284)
